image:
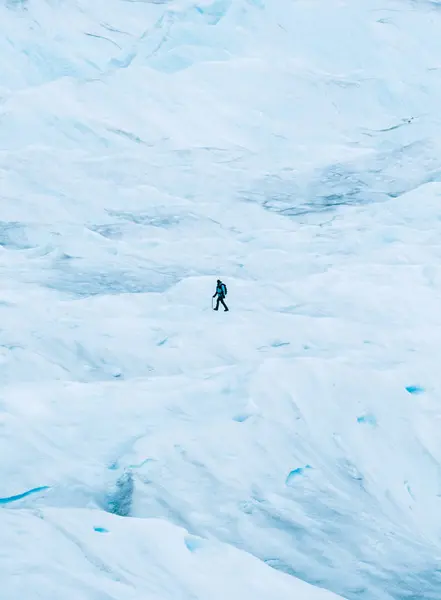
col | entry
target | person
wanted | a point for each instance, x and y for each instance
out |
(221, 292)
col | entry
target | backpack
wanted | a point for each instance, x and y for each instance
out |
(224, 288)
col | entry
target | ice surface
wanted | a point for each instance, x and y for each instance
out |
(149, 447)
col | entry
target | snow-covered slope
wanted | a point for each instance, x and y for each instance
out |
(152, 448)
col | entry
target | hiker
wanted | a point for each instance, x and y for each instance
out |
(221, 292)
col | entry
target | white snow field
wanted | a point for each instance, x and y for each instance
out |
(150, 448)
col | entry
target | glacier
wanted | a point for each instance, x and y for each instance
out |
(150, 447)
